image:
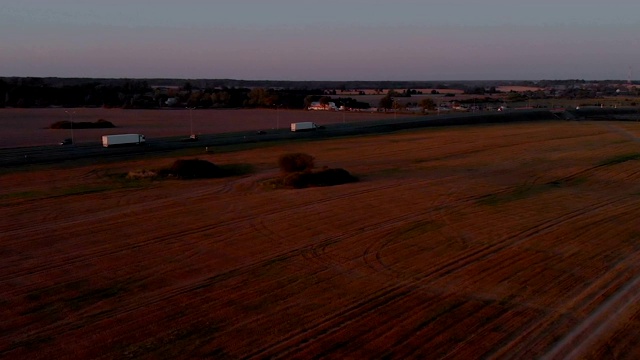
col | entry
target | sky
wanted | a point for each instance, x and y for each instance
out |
(340, 40)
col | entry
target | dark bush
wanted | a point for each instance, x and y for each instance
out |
(100, 124)
(297, 180)
(193, 169)
(295, 162)
(61, 125)
(326, 177)
(330, 177)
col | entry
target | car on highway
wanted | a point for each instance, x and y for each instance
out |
(192, 137)
(66, 142)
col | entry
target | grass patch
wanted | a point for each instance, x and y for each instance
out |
(113, 182)
(521, 192)
(84, 189)
(31, 342)
(567, 182)
(72, 296)
(315, 178)
(418, 228)
(22, 195)
(390, 171)
(67, 191)
(619, 159)
(237, 169)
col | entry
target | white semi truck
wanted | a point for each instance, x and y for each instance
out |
(304, 126)
(122, 139)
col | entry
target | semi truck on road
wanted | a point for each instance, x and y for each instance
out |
(122, 139)
(304, 126)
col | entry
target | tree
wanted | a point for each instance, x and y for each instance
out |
(427, 104)
(324, 100)
(308, 100)
(386, 102)
(259, 97)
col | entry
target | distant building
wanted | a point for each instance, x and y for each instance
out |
(316, 105)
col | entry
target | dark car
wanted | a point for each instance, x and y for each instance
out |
(192, 137)
(66, 142)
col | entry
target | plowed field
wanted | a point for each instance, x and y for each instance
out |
(505, 241)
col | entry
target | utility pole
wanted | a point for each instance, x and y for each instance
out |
(191, 120)
(71, 113)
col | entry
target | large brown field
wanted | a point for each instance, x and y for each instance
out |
(508, 241)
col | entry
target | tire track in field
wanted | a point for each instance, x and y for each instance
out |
(373, 254)
(245, 270)
(390, 293)
(624, 132)
(203, 284)
(393, 292)
(609, 284)
(539, 331)
(354, 309)
(163, 203)
(327, 245)
(374, 258)
(580, 339)
(48, 227)
(177, 233)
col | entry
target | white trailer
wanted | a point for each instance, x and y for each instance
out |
(122, 139)
(304, 126)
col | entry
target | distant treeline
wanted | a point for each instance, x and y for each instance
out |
(139, 94)
(30, 92)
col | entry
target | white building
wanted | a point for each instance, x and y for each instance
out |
(316, 105)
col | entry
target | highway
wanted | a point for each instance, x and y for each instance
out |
(11, 157)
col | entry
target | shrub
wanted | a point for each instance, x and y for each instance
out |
(330, 177)
(297, 180)
(193, 169)
(100, 124)
(295, 162)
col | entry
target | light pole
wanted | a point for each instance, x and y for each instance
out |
(395, 109)
(70, 113)
(278, 116)
(191, 119)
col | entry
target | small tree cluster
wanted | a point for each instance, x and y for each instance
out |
(297, 172)
(193, 169)
(295, 162)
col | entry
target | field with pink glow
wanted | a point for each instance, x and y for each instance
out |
(505, 241)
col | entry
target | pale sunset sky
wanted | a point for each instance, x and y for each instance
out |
(321, 40)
